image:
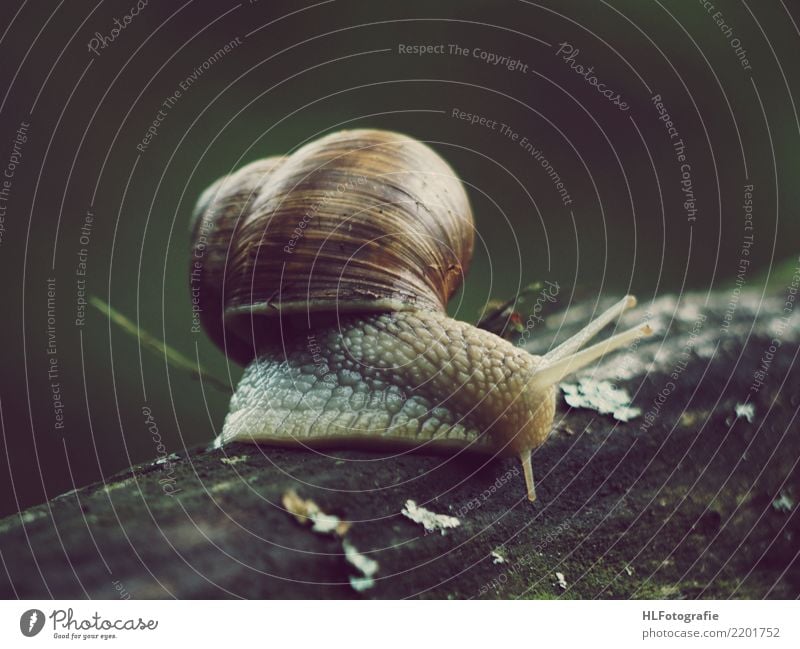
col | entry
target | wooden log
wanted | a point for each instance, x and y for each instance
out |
(686, 500)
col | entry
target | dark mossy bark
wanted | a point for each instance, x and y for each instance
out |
(697, 503)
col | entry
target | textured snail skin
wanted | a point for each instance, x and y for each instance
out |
(403, 380)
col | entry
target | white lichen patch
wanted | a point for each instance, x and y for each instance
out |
(689, 311)
(706, 346)
(221, 487)
(622, 367)
(561, 581)
(787, 329)
(428, 519)
(366, 566)
(497, 557)
(32, 515)
(602, 396)
(307, 512)
(783, 503)
(113, 486)
(745, 411)
(234, 459)
(167, 459)
(67, 494)
(24, 517)
(328, 524)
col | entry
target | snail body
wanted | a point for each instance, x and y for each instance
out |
(402, 379)
(327, 274)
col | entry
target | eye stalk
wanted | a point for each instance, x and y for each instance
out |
(569, 357)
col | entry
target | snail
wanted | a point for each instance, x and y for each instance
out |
(327, 273)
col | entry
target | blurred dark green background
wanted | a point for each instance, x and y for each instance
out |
(336, 64)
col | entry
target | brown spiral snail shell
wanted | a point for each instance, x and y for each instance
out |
(327, 273)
